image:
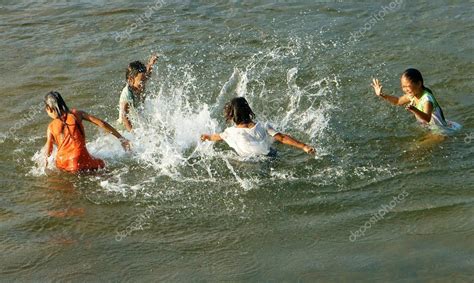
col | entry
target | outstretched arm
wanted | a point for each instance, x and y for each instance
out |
(106, 126)
(212, 137)
(392, 99)
(289, 140)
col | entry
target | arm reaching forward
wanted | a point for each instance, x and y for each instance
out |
(211, 137)
(106, 126)
(289, 140)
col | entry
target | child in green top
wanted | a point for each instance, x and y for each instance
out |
(418, 99)
(133, 93)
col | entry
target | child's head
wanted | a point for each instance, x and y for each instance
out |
(412, 82)
(239, 111)
(135, 75)
(55, 105)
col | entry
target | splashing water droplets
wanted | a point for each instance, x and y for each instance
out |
(166, 137)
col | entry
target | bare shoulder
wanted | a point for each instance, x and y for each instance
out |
(51, 125)
(78, 113)
(404, 99)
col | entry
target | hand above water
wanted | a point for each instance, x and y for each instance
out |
(125, 144)
(205, 137)
(309, 149)
(377, 87)
(212, 137)
(410, 108)
(153, 59)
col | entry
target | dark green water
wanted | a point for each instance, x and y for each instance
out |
(180, 210)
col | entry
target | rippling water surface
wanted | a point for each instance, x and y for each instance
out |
(177, 209)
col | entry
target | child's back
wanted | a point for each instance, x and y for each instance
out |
(248, 138)
(256, 140)
(67, 133)
(70, 139)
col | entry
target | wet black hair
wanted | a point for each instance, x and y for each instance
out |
(55, 102)
(239, 111)
(414, 76)
(134, 68)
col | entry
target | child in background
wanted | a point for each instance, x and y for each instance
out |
(419, 100)
(67, 133)
(133, 93)
(249, 138)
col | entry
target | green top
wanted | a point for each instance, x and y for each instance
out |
(437, 117)
(127, 97)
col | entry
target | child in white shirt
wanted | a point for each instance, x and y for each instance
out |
(249, 138)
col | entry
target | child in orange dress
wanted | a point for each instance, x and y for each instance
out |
(67, 133)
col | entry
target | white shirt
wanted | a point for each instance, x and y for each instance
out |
(250, 141)
(127, 97)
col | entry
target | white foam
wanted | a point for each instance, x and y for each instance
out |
(39, 159)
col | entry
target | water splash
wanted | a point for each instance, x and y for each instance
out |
(41, 163)
(165, 139)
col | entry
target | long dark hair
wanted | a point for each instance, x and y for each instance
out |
(55, 102)
(239, 111)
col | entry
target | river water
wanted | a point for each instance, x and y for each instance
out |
(380, 201)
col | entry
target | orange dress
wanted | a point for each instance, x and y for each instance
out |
(70, 139)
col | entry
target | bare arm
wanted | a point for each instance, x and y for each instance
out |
(48, 145)
(212, 137)
(149, 69)
(289, 140)
(126, 121)
(149, 65)
(106, 126)
(392, 99)
(424, 116)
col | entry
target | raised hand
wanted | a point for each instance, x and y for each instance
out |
(377, 87)
(153, 59)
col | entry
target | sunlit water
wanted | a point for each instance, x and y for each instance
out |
(178, 209)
